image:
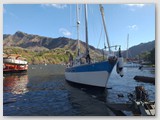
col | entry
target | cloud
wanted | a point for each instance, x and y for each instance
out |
(133, 7)
(65, 32)
(136, 5)
(133, 27)
(59, 6)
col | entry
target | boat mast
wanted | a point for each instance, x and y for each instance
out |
(78, 22)
(86, 28)
(105, 29)
(127, 46)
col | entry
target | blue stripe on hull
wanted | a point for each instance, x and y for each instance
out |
(99, 66)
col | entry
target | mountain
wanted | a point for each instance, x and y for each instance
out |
(39, 49)
(43, 46)
(28, 41)
(138, 49)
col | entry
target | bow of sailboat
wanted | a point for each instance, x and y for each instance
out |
(95, 74)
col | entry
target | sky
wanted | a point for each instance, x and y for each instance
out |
(59, 20)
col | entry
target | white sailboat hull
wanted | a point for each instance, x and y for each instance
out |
(98, 78)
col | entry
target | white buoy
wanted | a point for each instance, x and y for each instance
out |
(120, 66)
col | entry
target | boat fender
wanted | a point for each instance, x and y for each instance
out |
(119, 67)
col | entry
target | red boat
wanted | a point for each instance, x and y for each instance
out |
(14, 63)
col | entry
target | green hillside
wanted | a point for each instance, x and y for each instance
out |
(56, 56)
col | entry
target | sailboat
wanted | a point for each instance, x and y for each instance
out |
(88, 73)
(129, 62)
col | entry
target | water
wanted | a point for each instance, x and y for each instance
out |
(43, 91)
(127, 84)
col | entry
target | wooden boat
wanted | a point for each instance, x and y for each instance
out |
(145, 79)
(141, 102)
(146, 108)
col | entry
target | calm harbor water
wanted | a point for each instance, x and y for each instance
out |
(43, 91)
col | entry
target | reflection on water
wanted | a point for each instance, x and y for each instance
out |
(15, 83)
(36, 93)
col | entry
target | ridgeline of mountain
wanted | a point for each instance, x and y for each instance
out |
(138, 49)
(28, 41)
(39, 49)
(40, 46)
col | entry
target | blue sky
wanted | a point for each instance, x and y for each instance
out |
(55, 20)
